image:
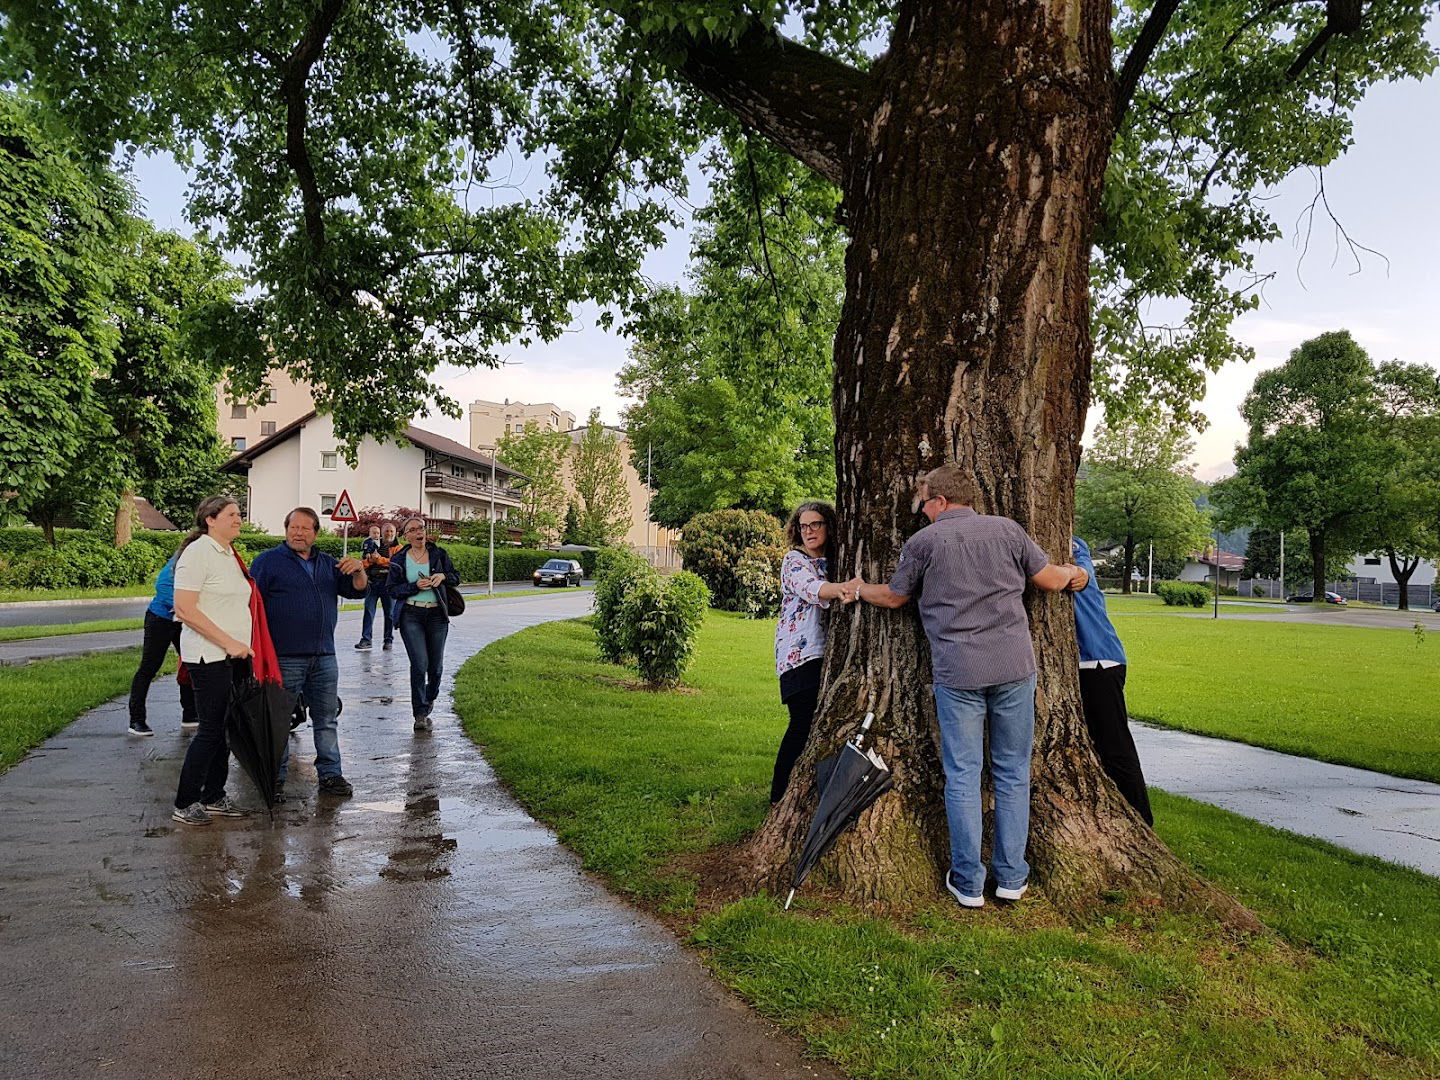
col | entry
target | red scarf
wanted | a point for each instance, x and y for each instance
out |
(263, 660)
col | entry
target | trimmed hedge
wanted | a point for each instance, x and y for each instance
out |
(1182, 593)
(82, 563)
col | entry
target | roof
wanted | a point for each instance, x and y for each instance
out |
(151, 518)
(1228, 559)
(428, 440)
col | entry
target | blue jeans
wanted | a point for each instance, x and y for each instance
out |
(376, 594)
(424, 631)
(318, 679)
(1007, 711)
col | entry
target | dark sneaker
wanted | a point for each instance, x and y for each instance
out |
(140, 727)
(279, 794)
(225, 808)
(362, 644)
(422, 723)
(961, 898)
(389, 645)
(194, 814)
(335, 785)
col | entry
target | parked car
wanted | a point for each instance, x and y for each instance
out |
(1330, 598)
(560, 572)
(1435, 606)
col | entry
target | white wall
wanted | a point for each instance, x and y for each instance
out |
(1424, 573)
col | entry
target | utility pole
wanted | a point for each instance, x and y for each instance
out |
(1282, 564)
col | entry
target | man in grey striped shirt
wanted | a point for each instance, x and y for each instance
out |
(974, 568)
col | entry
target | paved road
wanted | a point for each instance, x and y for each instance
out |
(1368, 812)
(424, 928)
(1383, 618)
(63, 612)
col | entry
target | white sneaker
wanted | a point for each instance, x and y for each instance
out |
(1002, 893)
(961, 898)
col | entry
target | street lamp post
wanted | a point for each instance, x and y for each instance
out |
(490, 558)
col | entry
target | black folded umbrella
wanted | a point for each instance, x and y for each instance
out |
(257, 724)
(849, 782)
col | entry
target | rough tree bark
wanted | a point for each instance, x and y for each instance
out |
(124, 518)
(970, 175)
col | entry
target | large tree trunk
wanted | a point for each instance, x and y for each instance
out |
(1401, 569)
(124, 518)
(1129, 569)
(971, 187)
(1317, 564)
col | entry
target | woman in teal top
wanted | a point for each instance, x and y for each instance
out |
(417, 575)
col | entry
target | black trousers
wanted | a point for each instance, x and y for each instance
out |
(800, 692)
(161, 635)
(207, 760)
(1102, 690)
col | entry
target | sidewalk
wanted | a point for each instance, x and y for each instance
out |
(1368, 812)
(426, 927)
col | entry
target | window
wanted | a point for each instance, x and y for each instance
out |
(457, 470)
(267, 395)
(457, 512)
(267, 427)
(237, 442)
(327, 503)
(237, 412)
(329, 459)
(432, 510)
(1372, 560)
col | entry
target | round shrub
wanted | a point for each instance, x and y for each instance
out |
(661, 619)
(617, 572)
(757, 581)
(716, 541)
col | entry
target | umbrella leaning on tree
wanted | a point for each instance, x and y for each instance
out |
(257, 720)
(849, 782)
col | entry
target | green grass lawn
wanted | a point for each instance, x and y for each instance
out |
(25, 633)
(11, 596)
(636, 781)
(1357, 696)
(41, 698)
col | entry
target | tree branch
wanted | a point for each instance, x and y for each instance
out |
(294, 74)
(1140, 54)
(803, 100)
(1341, 17)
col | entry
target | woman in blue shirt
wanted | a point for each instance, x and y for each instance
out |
(162, 633)
(418, 575)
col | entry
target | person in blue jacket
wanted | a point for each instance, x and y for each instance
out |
(418, 574)
(1102, 688)
(300, 587)
(162, 633)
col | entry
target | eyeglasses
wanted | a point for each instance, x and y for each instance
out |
(811, 526)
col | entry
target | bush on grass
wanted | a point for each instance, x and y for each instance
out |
(715, 543)
(617, 572)
(1181, 593)
(659, 621)
(86, 562)
(757, 581)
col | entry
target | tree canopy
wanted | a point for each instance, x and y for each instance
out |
(540, 455)
(596, 470)
(365, 159)
(1137, 491)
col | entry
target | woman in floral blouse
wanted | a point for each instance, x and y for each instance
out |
(806, 590)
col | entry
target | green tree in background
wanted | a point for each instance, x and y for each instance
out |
(1315, 456)
(61, 224)
(731, 376)
(1137, 490)
(570, 534)
(597, 475)
(540, 455)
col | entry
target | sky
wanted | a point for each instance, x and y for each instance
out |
(1383, 191)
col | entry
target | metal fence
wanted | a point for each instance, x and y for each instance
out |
(1369, 592)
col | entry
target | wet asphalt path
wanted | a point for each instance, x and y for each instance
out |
(425, 927)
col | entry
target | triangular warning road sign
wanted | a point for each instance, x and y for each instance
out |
(344, 509)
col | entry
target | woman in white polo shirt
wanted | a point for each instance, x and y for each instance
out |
(212, 600)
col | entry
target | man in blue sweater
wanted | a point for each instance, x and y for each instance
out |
(1102, 688)
(301, 587)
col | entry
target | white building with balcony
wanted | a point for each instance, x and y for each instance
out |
(301, 464)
